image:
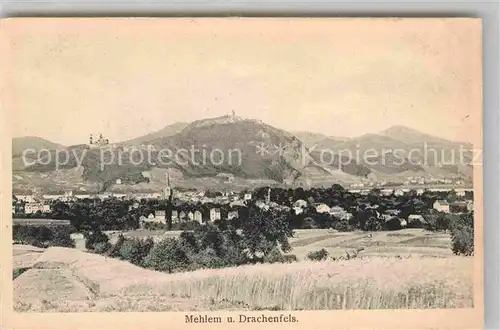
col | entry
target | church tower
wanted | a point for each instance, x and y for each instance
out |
(167, 191)
(169, 207)
(268, 196)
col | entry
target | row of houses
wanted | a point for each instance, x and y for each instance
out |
(193, 196)
(400, 192)
(31, 208)
(455, 207)
(214, 214)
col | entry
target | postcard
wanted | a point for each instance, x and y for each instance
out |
(242, 173)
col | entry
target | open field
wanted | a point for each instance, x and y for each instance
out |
(155, 234)
(402, 243)
(394, 271)
(406, 242)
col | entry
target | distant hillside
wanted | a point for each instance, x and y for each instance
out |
(411, 136)
(167, 131)
(399, 150)
(311, 139)
(19, 144)
(233, 133)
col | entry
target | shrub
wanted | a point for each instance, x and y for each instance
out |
(129, 250)
(393, 224)
(463, 240)
(18, 272)
(274, 256)
(374, 224)
(342, 225)
(101, 247)
(62, 239)
(93, 239)
(43, 236)
(166, 255)
(115, 249)
(290, 257)
(462, 235)
(186, 225)
(318, 255)
(207, 258)
(135, 250)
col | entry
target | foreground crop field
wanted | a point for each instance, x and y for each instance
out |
(367, 283)
(404, 269)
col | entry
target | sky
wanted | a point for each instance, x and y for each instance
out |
(339, 77)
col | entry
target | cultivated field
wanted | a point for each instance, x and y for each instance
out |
(402, 243)
(406, 242)
(403, 269)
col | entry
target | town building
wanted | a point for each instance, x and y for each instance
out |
(175, 216)
(198, 216)
(300, 203)
(158, 217)
(338, 212)
(34, 207)
(262, 205)
(237, 203)
(82, 196)
(322, 208)
(46, 208)
(441, 206)
(215, 214)
(182, 216)
(386, 192)
(416, 220)
(26, 198)
(298, 210)
(398, 192)
(233, 214)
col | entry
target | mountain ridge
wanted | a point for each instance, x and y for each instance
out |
(232, 132)
(21, 143)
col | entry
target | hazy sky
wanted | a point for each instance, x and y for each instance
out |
(126, 78)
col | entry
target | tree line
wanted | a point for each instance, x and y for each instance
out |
(117, 214)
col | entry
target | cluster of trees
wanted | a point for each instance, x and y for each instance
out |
(43, 236)
(263, 238)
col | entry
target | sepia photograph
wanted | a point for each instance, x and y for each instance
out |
(255, 167)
